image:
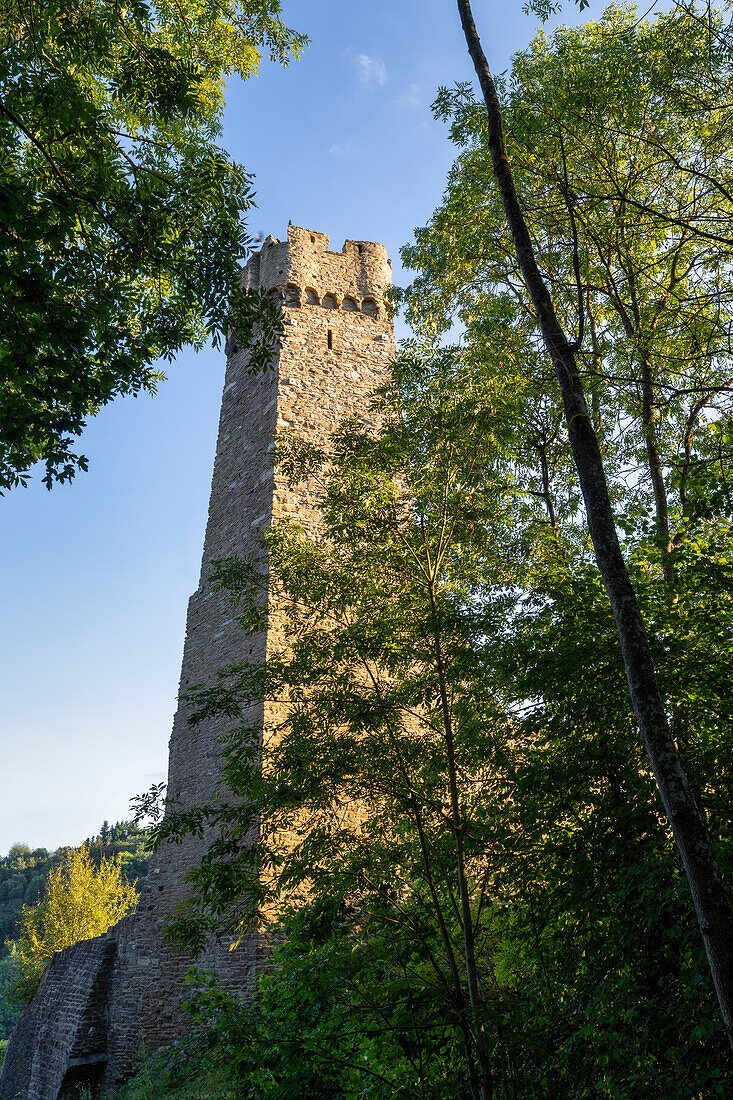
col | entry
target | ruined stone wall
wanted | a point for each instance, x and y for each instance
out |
(338, 345)
(61, 1038)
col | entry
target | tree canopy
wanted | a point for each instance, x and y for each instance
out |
(24, 875)
(453, 719)
(457, 828)
(708, 892)
(121, 220)
(595, 117)
(80, 900)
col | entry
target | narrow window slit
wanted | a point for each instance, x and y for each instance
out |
(330, 339)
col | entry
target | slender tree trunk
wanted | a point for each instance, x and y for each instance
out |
(469, 946)
(480, 1083)
(648, 421)
(711, 903)
(467, 1030)
(595, 351)
(547, 493)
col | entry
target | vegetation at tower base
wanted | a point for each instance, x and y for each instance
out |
(121, 220)
(478, 892)
(684, 814)
(24, 876)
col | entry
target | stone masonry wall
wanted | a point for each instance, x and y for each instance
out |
(338, 345)
(61, 1038)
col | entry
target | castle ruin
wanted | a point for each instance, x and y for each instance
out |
(102, 1002)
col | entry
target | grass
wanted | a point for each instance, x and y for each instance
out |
(156, 1082)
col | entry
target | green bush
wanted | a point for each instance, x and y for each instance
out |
(344, 1013)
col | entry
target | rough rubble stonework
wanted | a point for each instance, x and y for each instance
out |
(104, 1000)
(61, 1038)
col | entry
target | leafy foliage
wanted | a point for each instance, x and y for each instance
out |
(588, 959)
(23, 875)
(453, 765)
(80, 901)
(340, 1015)
(9, 1008)
(625, 185)
(456, 824)
(168, 1074)
(120, 218)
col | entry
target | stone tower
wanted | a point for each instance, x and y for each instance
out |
(101, 1001)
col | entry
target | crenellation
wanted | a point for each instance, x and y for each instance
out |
(305, 272)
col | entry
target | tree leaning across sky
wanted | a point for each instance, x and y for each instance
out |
(121, 219)
(709, 895)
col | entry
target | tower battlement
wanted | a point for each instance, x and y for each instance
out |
(307, 272)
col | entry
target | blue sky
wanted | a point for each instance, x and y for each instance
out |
(94, 577)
